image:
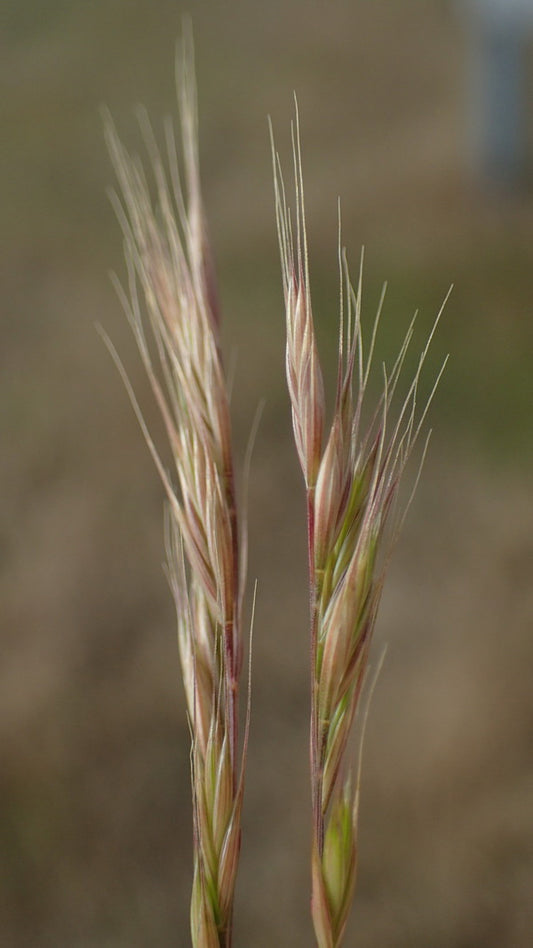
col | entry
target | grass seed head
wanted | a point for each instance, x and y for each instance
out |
(352, 487)
(173, 310)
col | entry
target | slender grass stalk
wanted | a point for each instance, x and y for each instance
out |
(172, 307)
(352, 483)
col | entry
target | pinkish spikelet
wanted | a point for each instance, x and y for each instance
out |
(304, 379)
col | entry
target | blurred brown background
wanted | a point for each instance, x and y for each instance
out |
(95, 838)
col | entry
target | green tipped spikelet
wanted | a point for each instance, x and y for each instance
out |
(339, 860)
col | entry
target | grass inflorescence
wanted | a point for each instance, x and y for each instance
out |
(352, 476)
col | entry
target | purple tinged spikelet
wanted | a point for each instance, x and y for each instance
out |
(304, 376)
(330, 493)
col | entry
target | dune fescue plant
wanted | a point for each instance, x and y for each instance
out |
(352, 470)
(352, 476)
(168, 257)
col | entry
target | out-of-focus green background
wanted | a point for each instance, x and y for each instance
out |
(95, 838)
